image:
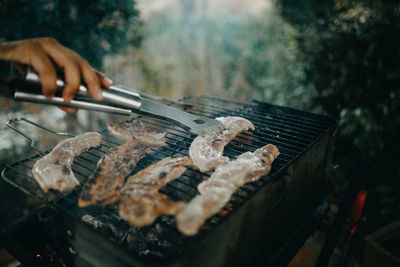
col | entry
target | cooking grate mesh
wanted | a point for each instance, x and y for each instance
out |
(292, 131)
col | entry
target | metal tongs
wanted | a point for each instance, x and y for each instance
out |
(23, 84)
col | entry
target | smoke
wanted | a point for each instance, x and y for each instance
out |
(223, 48)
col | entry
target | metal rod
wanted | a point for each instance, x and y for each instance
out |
(31, 140)
(59, 101)
(179, 141)
(120, 97)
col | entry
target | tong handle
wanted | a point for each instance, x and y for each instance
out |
(59, 101)
(25, 86)
(113, 96)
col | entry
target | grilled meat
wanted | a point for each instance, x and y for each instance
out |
(146, 133)
(207, 151)
(218, 189)
(103, 185)
(54, 170)
(140, 202)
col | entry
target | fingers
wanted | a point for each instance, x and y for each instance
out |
(41, 53)
(64, 59)
(68, 110)
(106, 82)
(30, 52)
(46, 71)
(89, 76)
(75, 68)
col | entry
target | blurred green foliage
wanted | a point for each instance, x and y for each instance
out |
(261, 48)
(352, 56)
(238, 55)
(90, 27)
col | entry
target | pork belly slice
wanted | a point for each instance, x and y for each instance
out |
(218, 189)
(53, 171)
(103, 185)
(146, 133)
(140, 201)
(207, 150)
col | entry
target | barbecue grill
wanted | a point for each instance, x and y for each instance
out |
(254, 227)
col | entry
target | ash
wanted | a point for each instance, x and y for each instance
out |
(159, 241)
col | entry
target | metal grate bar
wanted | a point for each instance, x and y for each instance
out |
(299, 125)
(299, 129)
(311, 119)
(254, 142)
(277, 134)
(290, 130)
(262, 108)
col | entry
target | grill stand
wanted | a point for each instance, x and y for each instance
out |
(256, 230)
(264, 234)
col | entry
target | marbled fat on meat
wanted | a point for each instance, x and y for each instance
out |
(207, 150)
(54, 170)
(141, 202)
(218, 189)
(136, 128)
(103, 185)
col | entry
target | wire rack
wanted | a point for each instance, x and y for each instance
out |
(292, 131)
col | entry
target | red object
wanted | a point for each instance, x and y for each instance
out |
(356, 211)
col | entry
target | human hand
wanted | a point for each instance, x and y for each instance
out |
(40, 53)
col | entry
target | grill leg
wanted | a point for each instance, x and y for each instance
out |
(350, 199)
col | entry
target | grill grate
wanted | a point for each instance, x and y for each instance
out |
(292, 131)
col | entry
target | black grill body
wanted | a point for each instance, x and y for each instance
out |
(264, 223)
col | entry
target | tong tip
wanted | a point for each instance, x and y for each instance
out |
(212, 128)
